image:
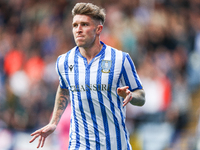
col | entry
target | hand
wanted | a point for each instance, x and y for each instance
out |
(43, 133)
(125, 93)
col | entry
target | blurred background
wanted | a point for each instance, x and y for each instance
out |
(161, 36)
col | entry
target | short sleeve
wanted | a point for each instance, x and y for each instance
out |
(129, 74)
(59, 69)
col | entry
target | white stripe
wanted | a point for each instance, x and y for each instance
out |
(130, 74)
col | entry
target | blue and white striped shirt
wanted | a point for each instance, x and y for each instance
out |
(98, 117)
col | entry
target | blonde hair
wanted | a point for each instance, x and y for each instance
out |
(91, 10)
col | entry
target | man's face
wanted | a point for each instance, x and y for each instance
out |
(84, 30)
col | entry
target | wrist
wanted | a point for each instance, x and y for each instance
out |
(53, 122)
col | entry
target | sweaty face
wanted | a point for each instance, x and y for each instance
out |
(84, 30)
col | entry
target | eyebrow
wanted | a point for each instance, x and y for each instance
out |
(80, 22)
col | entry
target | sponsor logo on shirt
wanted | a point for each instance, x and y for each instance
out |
(91, 87)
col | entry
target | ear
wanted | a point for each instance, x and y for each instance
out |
(99, 29)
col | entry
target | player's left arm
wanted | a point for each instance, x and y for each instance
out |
(136, 97)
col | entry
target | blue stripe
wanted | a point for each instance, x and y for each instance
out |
(123, 123)
(63, 85)
(70, 135)
(110, 80)
(134, 72)
(124, 72)
(91, 106)
(119, 105)
(73, 105)
(76, 80)
(103, 110)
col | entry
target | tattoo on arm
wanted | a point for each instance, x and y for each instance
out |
(61, 102)
(63, 99)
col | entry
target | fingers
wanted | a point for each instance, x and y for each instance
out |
(37, 131)
(34, 133)
(36, 136)
(42, 134)
(123, 91)
(39, 141)
(43, 140)
(127, 99)
(122, 88)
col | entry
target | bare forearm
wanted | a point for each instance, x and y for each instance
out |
(61, 102)
(138, 98)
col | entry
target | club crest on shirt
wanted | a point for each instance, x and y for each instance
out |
(106, 65)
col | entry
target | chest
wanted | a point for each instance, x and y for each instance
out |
(98, 74)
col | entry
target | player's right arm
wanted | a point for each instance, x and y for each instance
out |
(61, 102)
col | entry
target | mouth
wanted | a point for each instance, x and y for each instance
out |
(79, 38)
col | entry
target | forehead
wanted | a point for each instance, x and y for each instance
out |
(82, 18)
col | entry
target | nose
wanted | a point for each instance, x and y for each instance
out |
(79, 28)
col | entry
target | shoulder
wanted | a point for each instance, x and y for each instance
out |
(116, 50)
(63, 56)
(115, 53)
(118, 53)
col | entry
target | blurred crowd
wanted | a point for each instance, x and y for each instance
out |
(161, 36)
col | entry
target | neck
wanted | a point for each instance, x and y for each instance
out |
(90, 53)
